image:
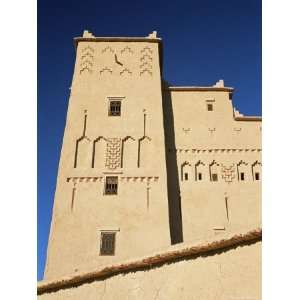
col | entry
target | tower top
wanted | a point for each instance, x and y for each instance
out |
(89, 37)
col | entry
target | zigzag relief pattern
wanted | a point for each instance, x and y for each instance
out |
(146, 49)
(108, 48)
(140, 179)
(213, 150)
(84, 179)
(113, 153)
(126, 49)
(146, 61)
(87, 60)
(125, 71)
(105, 70)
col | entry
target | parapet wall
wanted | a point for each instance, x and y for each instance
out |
(227, 268)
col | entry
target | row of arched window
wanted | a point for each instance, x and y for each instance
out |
(214, 171)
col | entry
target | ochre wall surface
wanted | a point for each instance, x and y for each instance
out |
(231, 275)
(163, 139)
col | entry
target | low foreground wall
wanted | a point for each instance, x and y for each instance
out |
(227, 268)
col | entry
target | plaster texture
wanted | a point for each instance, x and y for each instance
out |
(188, 166)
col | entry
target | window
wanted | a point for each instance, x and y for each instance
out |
(186, 176)
(199, 176)
(256, 176)
(107, 245)
(111, 185)
(210, 107)
(114, 108)
(214, 177)
(242, 176)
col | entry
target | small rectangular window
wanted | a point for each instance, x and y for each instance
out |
(199, 176)
(210, 107)
(186, 176)
(111, 185)
(256, 176)
(114, 108)
(214, 177)
(242, 176)
(107, 246)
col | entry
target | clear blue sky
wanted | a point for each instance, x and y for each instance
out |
(203, 41)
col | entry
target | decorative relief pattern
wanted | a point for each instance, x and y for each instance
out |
(228, 173)
(105, 70)
(125, 71)
(126, 50)
(84, 179)
(87, 60)
(107, 49)
(113, 153)
(213, 150)
(146, 61)
(147, 179)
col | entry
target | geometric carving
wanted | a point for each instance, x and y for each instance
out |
(126, 71)
(146, 49)
(146, 61)
(105, 70)
(113, 153)
(108, 48)
(126, 49)
(87, 60)
(228, 173)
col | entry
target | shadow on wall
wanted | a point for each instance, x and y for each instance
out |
(174, 199)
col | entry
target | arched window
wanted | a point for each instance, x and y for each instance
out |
(200, 171)
(214, 171)
(186, 173)
(256, 171)
(243, 171)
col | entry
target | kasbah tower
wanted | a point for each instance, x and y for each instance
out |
(158, 191)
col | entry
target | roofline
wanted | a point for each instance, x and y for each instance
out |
(248, 118)
(116, 39)
(199, 88)
(181, 252)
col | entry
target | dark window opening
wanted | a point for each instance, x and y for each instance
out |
(114, 108)
(242, 176)
(230, 96)
(256, 176)
(199, 176)
(186, 176)
(214, 177)
(210, 107)
(107, 246)
(111, 185)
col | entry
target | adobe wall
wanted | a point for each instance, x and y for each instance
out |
(95, 145)
(207, 142)
(231, 275)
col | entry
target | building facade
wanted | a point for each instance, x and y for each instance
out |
(145, 165)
